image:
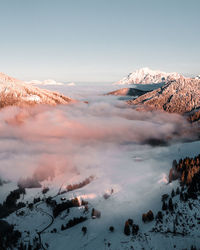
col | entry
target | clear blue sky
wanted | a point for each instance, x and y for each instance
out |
(98, 40)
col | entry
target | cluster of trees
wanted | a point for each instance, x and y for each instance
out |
(159, 216)
(183, 193)
(58, 208)
(34, 245)
(80, 185)
(10, 204)
(130, 227)
(188, 171)
(73, 222)
(148, 216)
(45, 190)
(8, 236)
(50, 202)
(36, 200)
(167, 203)
(185, 170)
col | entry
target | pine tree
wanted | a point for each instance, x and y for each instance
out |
(127, 228)
(164, 206)
(84, 230)
(171, 208)
(181, 196)
(177, 190)
(172, 193)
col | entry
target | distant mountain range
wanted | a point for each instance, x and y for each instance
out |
(148, 76)
(16, 92)
(45, 82)
(49, 82)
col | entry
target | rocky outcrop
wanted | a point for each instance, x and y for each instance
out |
(16, 92)
(177, 96)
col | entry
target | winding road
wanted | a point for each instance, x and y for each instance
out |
(40, 210)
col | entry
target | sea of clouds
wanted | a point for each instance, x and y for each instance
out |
(104, 137)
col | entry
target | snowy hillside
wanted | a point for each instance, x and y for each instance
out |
(84, 214)
(148, 76)
(16, 92)
(177, 96)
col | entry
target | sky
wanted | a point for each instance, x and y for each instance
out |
(98, 40)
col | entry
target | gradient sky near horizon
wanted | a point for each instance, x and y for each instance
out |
(98, 40)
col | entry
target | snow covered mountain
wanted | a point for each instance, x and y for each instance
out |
(148, 76)
(177, 96)
(16, 92)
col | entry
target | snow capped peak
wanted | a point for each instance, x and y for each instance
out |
(146, 70)
(146, 76)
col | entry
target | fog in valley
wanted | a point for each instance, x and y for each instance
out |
(124, 149)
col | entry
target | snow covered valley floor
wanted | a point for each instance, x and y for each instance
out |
(97, 161)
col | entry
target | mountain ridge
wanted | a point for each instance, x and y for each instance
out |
(17, 92)
(177, 96)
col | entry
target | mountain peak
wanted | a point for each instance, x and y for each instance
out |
(148, 76)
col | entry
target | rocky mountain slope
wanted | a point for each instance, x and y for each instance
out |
(148, 76)
(177, 96)
(16, 92)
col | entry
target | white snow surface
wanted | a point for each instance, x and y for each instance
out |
(147, 76)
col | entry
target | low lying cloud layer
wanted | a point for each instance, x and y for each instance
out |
(45, 141)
